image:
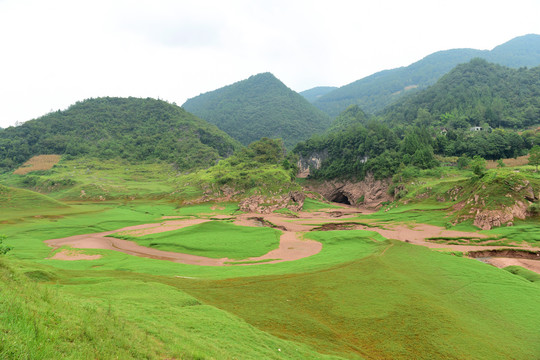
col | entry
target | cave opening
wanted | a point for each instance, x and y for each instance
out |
(341, 198)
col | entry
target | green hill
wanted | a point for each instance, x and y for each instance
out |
(375, 92)
(260, 106)
(313, 94)
(477, 93)
(129, 128)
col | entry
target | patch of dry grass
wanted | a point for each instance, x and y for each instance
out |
(520, 161)
(39, 162)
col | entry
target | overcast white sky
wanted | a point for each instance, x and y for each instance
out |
(56, 52)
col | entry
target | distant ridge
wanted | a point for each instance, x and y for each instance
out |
(375, 92)
(315, 93)
(474, 94)
(260, 106)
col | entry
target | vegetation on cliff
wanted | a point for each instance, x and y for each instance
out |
(262, 167)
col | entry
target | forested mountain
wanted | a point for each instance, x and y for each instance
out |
(130, 128)
(353, 115)
(313, 94)
(261, 106)
(477, 93)
(375, 92)
(471, 111)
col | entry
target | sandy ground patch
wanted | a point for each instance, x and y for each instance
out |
(533, 265)
(72, 254)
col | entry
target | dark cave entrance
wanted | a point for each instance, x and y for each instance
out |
(341, 198)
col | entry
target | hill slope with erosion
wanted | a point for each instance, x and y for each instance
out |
(375, 92)
(260, 106)
(129, 128)
(499, 198)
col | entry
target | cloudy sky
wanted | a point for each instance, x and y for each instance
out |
(56, 52)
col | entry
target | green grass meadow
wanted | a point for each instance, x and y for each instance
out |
(361, 297)
(215, 239)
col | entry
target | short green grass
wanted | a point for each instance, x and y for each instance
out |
(214, 239)
(362, 296)
(403, 303)
(316, 205)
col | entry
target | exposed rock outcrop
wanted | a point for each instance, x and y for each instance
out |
(311, 162)
(487, 207)
(368, 192)
(293, 201)
(487, 219)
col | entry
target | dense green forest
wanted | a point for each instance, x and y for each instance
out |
(263, 167)
(353, 115)
(477, 93)
(261, 106)
(129, 128)
(375, 92)
(313, 94)
(472, 111)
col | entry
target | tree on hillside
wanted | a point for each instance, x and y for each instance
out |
(534, 156)
(478, 166)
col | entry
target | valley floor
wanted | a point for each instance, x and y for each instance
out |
(132, 280)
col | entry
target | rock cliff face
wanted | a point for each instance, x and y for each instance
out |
(293, 201)
(312, 161)
(368, 192)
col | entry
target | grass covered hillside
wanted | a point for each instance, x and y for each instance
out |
(261, 106)
(129, 128)
(375, 92)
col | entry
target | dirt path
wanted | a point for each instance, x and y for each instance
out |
(292, 246)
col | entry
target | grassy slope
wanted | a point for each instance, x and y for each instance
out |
(408, 303)
(126, 318)
(354, 299)
(95, 179)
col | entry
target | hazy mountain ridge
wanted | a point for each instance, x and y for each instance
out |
(375, 92)
(315, 93)
(477, 92)
(260, 106)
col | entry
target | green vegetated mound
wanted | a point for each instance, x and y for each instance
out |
(233, 242)
(13, 200)
(375, 92)
(260, 106)
(129, 128)
(259, 175)
(124, 316)
(477, 93)
(497, 197)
